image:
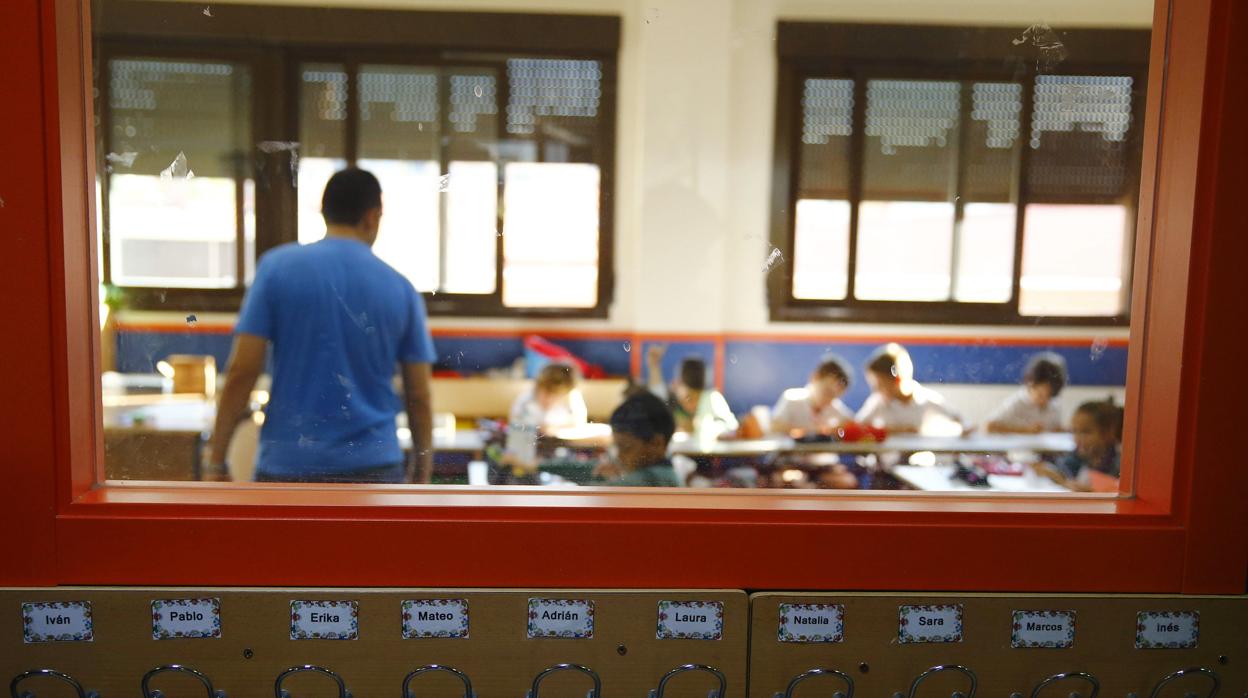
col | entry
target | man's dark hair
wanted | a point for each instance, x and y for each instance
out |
(1047, 368)
(643, 415)
(349, 195)
(834, 366)
(693, 373)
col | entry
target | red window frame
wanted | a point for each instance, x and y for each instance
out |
(1184, 530)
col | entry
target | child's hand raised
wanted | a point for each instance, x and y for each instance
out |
(655, 352)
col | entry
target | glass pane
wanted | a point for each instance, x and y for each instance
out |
(555, 103)
(322, 141)
(821, 250)
(904, 250)
(177, 158)
(905, 222)
(1079, 129)
(911, 140)
(821, 226)
(985, 254)
(408, 238)
(400, 113)
(551, 238)
(1073, 260)
(323, 111)
(471, 228)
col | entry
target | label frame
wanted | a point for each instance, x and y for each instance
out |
(662, 632)
(533, 633)
(839, 628)
(1142, 643)
(407, 608)
(30, 607)
(907, 638)
(296, 633)
(159, 633)
(1016, 617)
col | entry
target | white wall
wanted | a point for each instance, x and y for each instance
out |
(696, 103)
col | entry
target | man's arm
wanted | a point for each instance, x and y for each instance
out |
(246, 365)
(417, 399)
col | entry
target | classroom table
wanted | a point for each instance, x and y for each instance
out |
(902, 443)
(935, 478)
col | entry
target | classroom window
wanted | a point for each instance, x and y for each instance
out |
(180, 203)
(449, 138)
(955, 191)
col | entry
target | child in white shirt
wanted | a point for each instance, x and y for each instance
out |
(897, 402)
(553, 403)
(816, 408)
(696, 407)
(1035, 407)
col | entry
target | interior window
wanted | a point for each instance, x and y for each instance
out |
(829, 250)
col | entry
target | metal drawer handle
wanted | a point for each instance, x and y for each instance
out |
(1213, 676)
(1096, 685)
(595, 692)
(47, 672)
(914, 687)
(280, 692)
(792, 687)
(156, 693)
(407, 680)
(714, 693)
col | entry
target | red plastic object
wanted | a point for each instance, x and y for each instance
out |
(554, 352)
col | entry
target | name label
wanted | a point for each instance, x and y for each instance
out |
(1167, 630)
(324, 620)
(445, 618)
(1052, 629)
(186, 618)
(57, 621)
(690, 620)
(941, 623)
(571, 619)
(812, 622)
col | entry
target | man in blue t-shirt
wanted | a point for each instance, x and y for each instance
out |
(340, 322)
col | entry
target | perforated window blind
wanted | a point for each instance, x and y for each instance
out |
(1080, 151)
(911, 140)
(827, 125)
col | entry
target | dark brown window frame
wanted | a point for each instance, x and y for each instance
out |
(861, 52)
(351, 37)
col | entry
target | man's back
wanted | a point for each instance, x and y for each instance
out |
(339, 321)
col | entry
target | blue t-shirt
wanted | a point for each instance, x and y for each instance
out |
(339, 322)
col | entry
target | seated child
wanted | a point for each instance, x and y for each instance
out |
(1034, 408)
(693, 404)
(1097, 428)
(817, 407)
(554, 402)
(641, 428)
(897, 402)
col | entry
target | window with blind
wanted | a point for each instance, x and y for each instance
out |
(181, 197)
(993, 191)
(495, 167)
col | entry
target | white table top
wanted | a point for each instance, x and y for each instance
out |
(905, 443)
(178, 413)
(936, 479)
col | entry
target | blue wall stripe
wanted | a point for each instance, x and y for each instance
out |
(755, 372)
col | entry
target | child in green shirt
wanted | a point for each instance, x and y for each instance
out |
(641, 428)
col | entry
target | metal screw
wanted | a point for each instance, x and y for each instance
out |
(621, 650)
(864, 667)
(248, 654)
